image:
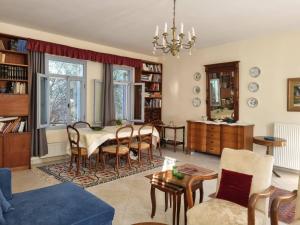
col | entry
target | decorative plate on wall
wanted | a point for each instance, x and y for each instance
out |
(196, 102)
(254, 71)
(197, 76)
(252, 102)
(196, 90)
(253, 87)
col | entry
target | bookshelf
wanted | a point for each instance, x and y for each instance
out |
(15, 79)
(151, 75)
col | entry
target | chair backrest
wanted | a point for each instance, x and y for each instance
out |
(74, 137)
(82, 123)
(248, 162)
(146, 136)
(124, 140)
(298, 202)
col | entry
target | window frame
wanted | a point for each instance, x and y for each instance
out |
(130, 84)
(68, 78)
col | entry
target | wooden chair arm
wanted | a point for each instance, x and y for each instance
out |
(253, 200)
(276, 203)
(192, 180)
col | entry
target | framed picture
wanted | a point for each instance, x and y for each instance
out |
(293, 94)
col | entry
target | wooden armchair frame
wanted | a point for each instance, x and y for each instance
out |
(276, 203)
(252, 200)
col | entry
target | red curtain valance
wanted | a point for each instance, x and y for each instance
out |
(63, 50)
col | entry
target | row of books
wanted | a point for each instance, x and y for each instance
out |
(153, 87)
(12, 125)
(153, 103)
(18, 88)
(153, 94)
(13, 72)
(151, 77)
(152, 67)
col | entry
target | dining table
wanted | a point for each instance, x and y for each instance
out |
(91, 139)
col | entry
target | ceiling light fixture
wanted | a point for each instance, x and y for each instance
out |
(174, 45)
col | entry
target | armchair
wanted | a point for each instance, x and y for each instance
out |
(218, 211)
(277, 201)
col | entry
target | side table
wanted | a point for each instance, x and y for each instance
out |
(277, 142)
(174, 142)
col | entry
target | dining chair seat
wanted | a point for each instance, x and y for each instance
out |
(84, 151)
(143, 145)
(112, 149)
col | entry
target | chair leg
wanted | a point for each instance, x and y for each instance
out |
(90, 162)
(159, 148)
(71, 162)
(128, 161)
(166, 201)
(149, 155)
(139, 157)
(117, 164)
(78, 164)
(97, 161)
(103, 159)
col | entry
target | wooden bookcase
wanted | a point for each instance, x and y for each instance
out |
(15, 81)
(151, 75)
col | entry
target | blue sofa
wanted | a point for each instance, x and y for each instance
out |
(61, 204)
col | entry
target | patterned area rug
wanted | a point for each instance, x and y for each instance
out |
(286, 210)
(89, 178)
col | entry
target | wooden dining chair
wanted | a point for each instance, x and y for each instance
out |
(81, 123)
(79, 153)
(144, 142)
(122, 148)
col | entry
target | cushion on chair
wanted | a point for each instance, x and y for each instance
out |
(235, 187)
(221, 212)
(255, 164)
(144, 145)
(113, 149)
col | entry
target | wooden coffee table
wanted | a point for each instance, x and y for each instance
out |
(277, 142)
(166, 182)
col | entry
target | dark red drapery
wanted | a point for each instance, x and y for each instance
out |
(63, 50)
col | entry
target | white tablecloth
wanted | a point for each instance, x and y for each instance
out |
(91, 139)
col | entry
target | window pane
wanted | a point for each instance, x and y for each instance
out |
(120, 98)
(121, 75)
(65, 68)
(75, 100)
(58, 101)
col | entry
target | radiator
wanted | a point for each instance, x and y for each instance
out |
(288, 156)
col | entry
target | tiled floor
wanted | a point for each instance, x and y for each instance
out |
(130, 195)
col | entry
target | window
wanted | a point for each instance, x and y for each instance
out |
(63, 88)
(128, 96)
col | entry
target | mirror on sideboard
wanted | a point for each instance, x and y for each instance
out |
(222, 91)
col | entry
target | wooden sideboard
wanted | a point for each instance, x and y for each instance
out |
(212, 137)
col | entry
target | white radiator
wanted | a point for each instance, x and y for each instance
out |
(288, 156)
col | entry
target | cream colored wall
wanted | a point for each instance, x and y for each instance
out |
(278, 58)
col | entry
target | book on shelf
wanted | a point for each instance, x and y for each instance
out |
(152, 67)
(10, 72)
(12, 125)
(153, 103)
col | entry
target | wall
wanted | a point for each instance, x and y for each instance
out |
(278, 58)
(57, 138)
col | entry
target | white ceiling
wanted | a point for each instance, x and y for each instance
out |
(130, 24)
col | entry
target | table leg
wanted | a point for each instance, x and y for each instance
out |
(174, 209)
(269, 148)
(153, 201)
(166, 201)
(175, 135)
(201, 192)
(178, 207)
(185, 208)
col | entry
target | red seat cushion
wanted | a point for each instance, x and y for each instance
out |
(235, 187)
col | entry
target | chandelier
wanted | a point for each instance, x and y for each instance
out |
(176, 42)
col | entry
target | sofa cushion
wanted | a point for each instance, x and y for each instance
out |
(219, 211)
(2, 220)
(5, 205)
(235, 187)
(62, 204)
(5, 182)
